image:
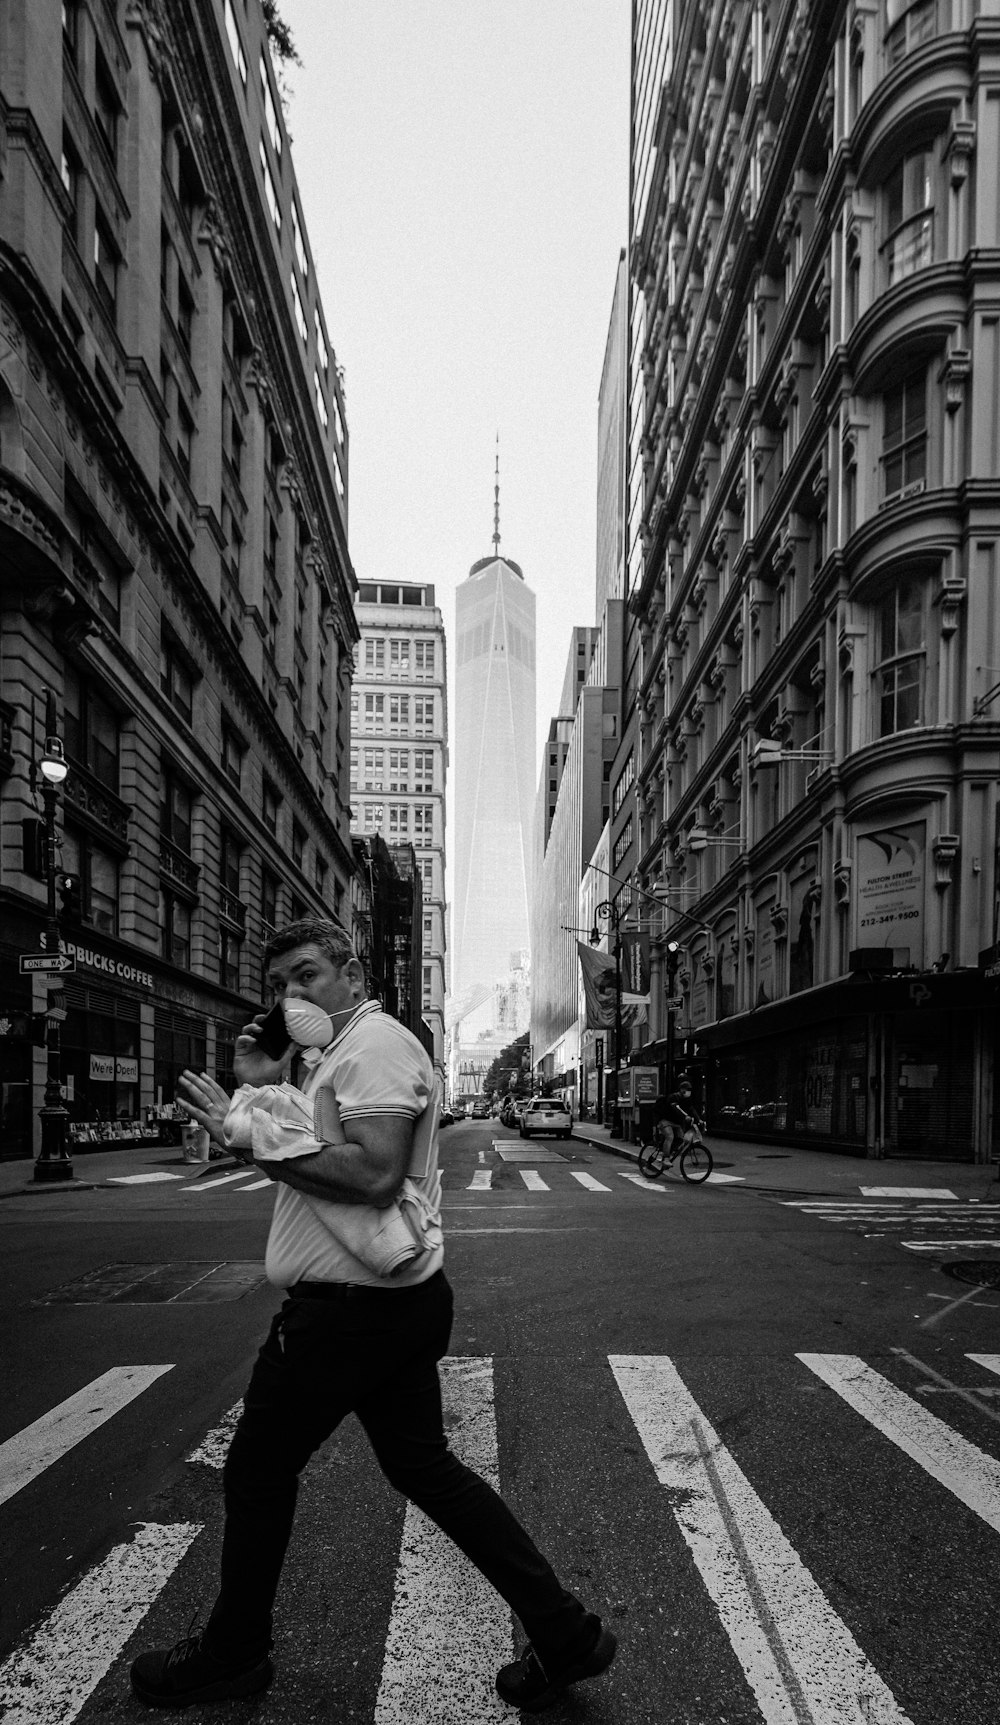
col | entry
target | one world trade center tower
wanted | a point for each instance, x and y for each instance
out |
(494, 766)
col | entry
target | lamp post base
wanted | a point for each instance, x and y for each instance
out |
(53, 1162)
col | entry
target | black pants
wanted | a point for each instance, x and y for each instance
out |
(375, 1353)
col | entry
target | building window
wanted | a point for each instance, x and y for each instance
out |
(374, 712)
(270, 194)
(270, 807)
(230, 952)
(374, 814)
(373, 770)
(269, 898)
(911, 22)
(185, 440)
(622, 844)
(320, 873)
(399, 712)
(91, 729)
(424, 659)
(175, 930)
(270, 110)
(70, 25)
(301, 256)
(322, 351)
(423, 824)
(423, 770)
(399, 821)
(321, 403)
(423, 714)
(374, 656)
(176, 679)
(185, 316)
(425, 868)
(300, 316)
(105, 266)
(70, 173)
(909, 216)
(399, 769)
(623, 783)
(399, 658)
(107, 108)
(233, 32)
(232, 755)
(230, 861)
(904, 442)
(176, 807)
(298, 844)
(98, 874)
(899, 674)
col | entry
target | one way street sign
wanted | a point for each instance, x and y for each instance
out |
(31, 962)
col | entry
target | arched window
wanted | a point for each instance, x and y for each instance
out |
(901, 664)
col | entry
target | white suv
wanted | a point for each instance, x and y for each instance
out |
(546, 1114)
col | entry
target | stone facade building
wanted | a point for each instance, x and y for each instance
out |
(814, 539)
(173, 536)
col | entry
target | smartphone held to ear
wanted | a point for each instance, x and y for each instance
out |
(272, 1037)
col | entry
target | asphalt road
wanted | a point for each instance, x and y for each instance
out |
(754, 1441)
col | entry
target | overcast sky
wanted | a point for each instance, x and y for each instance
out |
(464, 175)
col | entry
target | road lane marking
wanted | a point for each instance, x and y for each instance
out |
(27, 1454)
(990, 1362)
(725, 1179)
(589, 1182)
(481, 1181)
(223, 1180)
(967, 1472)
(800, 1660)
(214, 1446)
(948, 1245)
(141, 1179)
(256, 1185)
(439, 1594)
(905, 1192)
(640, 1181)
(48, 1679)
(533, 1181)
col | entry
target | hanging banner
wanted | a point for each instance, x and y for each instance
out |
(600, 992)
(127, 1071)
(635, 967)
(102, 1068)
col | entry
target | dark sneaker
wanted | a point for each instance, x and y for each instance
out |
(533, 1684)
(182, 1675)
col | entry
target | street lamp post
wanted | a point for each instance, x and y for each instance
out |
(673, 959)
(53, 1162)
(606, 911)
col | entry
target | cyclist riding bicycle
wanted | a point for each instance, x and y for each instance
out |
(676, 1116)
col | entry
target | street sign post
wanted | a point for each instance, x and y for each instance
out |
(31, 963)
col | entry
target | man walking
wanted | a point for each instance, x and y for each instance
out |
(347, 1340)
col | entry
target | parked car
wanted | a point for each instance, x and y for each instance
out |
(546, 1114)
(447, 1118)
(480, 1110)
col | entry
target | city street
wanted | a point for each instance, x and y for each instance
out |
(752, 1423)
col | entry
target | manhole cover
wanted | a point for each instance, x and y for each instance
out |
(981, 1272)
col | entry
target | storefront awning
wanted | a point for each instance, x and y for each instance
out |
(949, 991)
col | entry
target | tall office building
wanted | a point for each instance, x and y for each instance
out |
(399, 755)
(494, 768)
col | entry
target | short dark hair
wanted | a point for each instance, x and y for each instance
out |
(331, 937)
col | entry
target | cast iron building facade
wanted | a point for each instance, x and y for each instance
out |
(399, 757)
(173, 533)
(494, 770)
(813, 544)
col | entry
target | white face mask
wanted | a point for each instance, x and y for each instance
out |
(308, 1024)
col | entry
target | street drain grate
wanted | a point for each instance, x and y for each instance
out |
(158, 1284)
(981, 1272)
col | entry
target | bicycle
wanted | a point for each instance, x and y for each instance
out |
(689, 1148)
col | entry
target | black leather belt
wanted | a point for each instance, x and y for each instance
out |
(351, 1290)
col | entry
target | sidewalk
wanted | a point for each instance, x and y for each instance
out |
(818, 1173)
(94, 1168)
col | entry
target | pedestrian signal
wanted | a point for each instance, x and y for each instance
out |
(71, 896)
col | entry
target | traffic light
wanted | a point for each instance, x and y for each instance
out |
(71, 896)
(24, 1027)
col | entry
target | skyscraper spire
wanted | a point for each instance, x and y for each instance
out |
(496, 502)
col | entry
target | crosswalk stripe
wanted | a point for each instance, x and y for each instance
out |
(223, 1180)
(991, 1362)
(906, 1192)
(481, 1180)
(640, 1181)
(257, 1185)
(533, 1181)
(27, 1454)
(800, 1660)
(967, 1472)
(47, 1680)
(589, 1182)
(141, 1179)
(437, 1589)
(939, 1245)
(214, 1446)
